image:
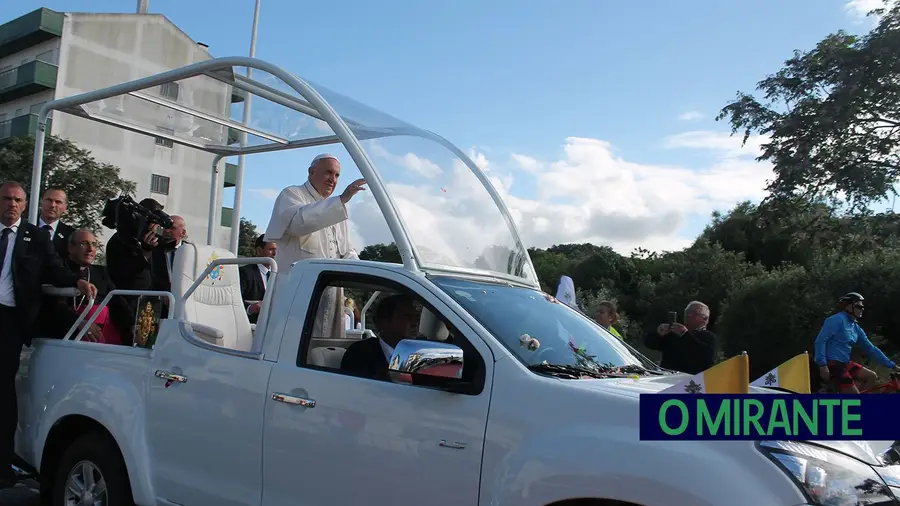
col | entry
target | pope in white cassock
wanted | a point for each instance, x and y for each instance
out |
(308, 222)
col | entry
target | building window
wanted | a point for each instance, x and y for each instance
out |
(169, 90)
(159, 184)
(162, 141)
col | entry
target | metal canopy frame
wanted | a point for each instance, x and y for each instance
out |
(309, 102)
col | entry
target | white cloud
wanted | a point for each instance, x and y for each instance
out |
(266, 193)
(526, 163)
(730, 146)
(690, 116)
(590, 194)
(860, 9)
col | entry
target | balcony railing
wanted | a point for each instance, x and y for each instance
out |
(27, 79)
(227, 213)
(20, 126)
(230, 175)
(33, 28)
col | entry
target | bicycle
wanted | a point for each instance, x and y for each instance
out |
(892, 386)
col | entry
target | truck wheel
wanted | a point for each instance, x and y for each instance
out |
(92, 472)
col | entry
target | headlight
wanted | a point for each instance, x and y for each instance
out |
(827, 477)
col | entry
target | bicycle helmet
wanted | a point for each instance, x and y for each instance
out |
(851, 298)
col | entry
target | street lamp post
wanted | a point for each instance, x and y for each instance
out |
(239, 177)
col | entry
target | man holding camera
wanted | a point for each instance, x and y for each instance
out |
(690, 347)
(132, 258)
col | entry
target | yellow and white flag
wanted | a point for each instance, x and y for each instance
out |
(729, 377)
(792, 375)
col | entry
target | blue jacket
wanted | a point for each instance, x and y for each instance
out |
(838, 335)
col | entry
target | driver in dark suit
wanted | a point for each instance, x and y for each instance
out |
(28, 261)
(396, 319)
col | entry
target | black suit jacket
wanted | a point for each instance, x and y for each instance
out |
(252, 287)
(58, 313)
(61, 239)
(35, 263)
(366, 358)
(693, 352)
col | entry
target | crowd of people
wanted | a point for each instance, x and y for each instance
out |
(692, 348)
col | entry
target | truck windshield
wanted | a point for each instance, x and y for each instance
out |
(514, 315)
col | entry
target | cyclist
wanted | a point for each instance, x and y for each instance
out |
(833, 344)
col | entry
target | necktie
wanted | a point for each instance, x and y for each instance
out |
(49, 230)
(4, 243)
(267, 275)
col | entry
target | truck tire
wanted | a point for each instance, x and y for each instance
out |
(95, 458)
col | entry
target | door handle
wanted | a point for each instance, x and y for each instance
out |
(171, 378)
(296, 401)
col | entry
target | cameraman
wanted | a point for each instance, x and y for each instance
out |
(135, 264)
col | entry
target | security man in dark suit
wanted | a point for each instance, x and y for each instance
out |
(255, 278)
(396, 319)
(53, 207)
(28, 261)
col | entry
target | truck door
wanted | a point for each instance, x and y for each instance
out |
(334, 438)
(205, 434)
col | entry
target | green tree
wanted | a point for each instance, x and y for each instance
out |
(87, 182)
(247, 235)
(832, 116)
(381, 253)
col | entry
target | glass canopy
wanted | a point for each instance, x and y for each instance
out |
(442, 210)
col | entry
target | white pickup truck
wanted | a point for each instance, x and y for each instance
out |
(221, 413)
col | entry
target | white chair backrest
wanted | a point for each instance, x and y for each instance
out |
(326, 356)
(432, 327)
(217, 301)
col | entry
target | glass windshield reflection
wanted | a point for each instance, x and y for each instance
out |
(565, 337)
(453, 220)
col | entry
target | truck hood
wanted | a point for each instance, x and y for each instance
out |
(860, 450)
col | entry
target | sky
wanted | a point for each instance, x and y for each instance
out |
(593, 119)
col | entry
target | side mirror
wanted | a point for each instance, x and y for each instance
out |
(418, 362)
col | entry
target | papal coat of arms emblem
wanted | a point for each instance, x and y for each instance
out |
(215, 274)
(146, 324)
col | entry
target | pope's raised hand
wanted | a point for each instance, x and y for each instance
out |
(352, 189)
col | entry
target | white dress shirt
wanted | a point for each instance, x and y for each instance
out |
(7, 294)
(53, 226)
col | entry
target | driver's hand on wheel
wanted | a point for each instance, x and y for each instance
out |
(824, 373)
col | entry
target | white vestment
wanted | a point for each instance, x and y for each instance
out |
(306, 225)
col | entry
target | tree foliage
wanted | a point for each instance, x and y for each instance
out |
(247, 235)
(87, 182)
(832, 117)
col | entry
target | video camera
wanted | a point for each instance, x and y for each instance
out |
(133, 219)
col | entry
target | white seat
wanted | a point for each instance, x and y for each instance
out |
(431, 327)
(326, 356)
(217, 301)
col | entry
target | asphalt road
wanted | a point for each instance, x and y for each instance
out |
(24, 494)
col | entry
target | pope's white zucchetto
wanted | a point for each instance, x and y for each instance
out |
(323, 156)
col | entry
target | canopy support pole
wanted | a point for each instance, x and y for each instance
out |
(239, 177)
(39, 138)
(213, 198)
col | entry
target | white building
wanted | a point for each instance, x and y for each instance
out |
(46, 55)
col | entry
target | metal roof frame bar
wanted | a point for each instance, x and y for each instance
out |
(309, 102)
(326, 113)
